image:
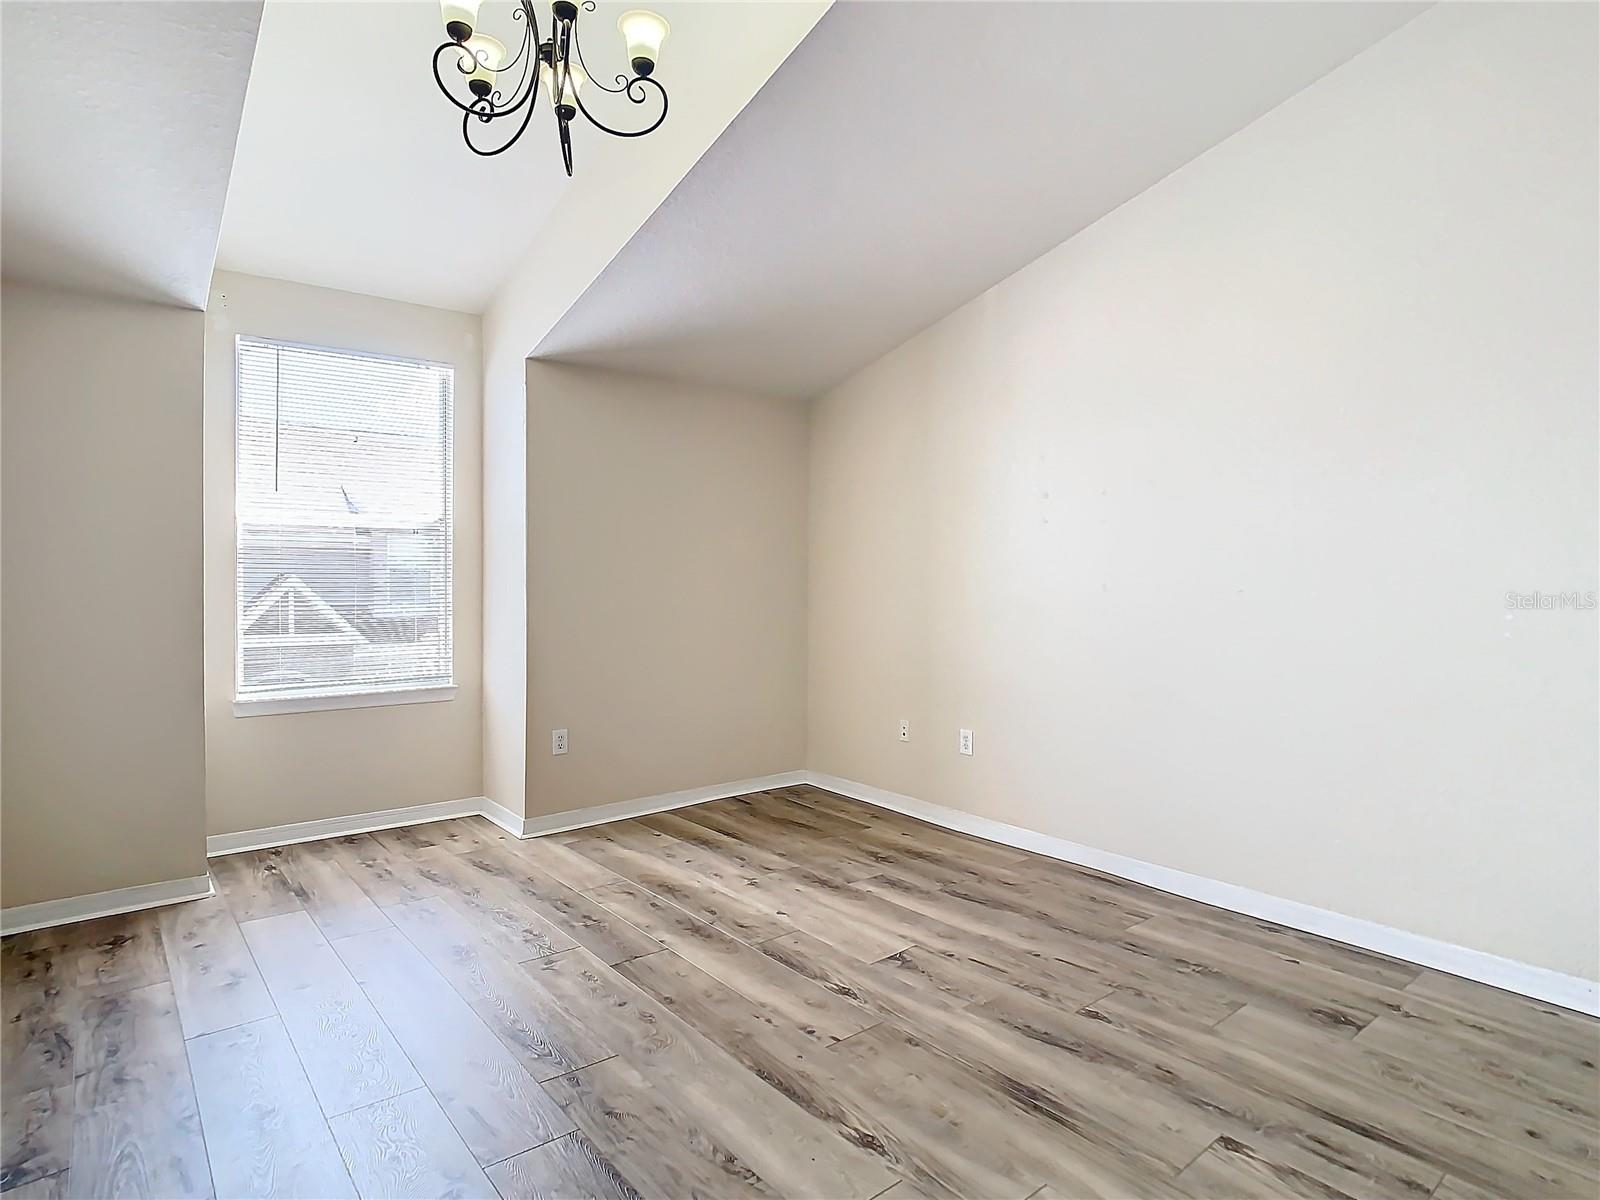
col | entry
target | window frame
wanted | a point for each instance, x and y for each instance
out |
(346, 696)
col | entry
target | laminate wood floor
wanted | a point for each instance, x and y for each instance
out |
(784, 994)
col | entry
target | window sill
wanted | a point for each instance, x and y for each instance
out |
(302, 704)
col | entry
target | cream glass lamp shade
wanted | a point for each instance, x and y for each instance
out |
(460, 18)
(486, 55)
(644, 32)
(575, 80)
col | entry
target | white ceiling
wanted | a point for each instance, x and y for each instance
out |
(119, 136)
(907, 156)
(351, 172)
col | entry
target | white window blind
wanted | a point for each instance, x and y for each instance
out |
(342, 503)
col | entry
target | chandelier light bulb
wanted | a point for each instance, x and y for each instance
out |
(460, 18)
(644, 32)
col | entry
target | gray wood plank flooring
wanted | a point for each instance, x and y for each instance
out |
(781, 994)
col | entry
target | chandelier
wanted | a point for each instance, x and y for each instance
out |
(481, 63)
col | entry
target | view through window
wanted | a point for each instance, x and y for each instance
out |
(342, 504)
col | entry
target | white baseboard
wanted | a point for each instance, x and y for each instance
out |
(501, 816)
(582, 818)
(482, 806)
(314, 831)
(153, 895)
(25, 917)
(1568, 991)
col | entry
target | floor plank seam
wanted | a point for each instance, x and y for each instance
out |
(545, 1083)
(194, 1092)
(1201, 1153)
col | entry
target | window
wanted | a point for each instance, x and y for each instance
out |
(342, 505)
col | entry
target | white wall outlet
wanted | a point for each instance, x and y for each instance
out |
(558, 741)
(905, 731)
(966, 741)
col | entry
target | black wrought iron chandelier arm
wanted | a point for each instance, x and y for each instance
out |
(459, 50)
(640, 82)
(470, 118)
(577, 46)
(530, 33)
(482, 108)
(466, 63)
(522, 77)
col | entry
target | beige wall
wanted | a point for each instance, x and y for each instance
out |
(624, 181)
(666, 586)
(1204, 522)
(505, 557)
(104, 771)
(275, 770)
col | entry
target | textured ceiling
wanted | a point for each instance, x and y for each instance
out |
(121, 121)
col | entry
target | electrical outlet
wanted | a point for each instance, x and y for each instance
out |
(966, 741)
(558, 741)
(905, 731)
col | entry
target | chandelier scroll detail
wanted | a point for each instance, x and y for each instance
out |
(472, 69)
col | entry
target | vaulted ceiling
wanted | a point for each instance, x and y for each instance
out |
(897, 159)
(907, 156)
(119, 134)
(130, 130)
(351, 172)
